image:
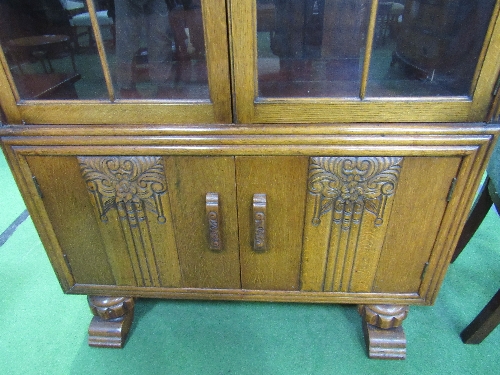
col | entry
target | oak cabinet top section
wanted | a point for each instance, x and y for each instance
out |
(249, 61)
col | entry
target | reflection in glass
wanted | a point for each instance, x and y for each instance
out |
(154, 48)
(317, 48)
(41, 47)
(311, 48)
(427, 47)
(160, 51)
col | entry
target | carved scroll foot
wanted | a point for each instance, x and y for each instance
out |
(384, 336)
(112, 320)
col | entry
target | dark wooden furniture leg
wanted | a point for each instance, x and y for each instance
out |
(484, 323)
(384, 335)
(112, 320)
(478, 213)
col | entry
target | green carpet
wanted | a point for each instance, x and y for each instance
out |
(43, 331)
(12, 203)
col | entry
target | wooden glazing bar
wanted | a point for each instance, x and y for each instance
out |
(368, 50)
(243, 25)
(215, 25)
(100, 48)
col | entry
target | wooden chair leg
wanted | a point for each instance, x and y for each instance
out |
(487, 320)
(476, 217)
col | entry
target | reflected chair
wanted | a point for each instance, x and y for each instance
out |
(383, 21)
(388, 18)
(489, 318)
(40, 48)
(80, 20)
(33, 36)
(36, 33)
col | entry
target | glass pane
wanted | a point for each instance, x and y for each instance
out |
(42, 48)
(311, 48)
(427, 47)
(155, 48)
(159, 52)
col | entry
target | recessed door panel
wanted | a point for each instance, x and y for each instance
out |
(271, 202)
(418, 210)
(130, 200)
(190, 179)
(69, 208)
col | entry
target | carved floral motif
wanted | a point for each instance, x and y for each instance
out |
(352, 184)
(127, 183)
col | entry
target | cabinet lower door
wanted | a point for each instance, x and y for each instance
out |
(139, 221)
(203, 197)
(111, 218)
(271, 205)
(372, 222)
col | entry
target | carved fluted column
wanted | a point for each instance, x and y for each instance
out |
(112, 320)
(384, 335)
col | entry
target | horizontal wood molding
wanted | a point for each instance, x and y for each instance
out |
(403, 110)
(341, 139)
(126, 112)
(241, 130)
(250, 295)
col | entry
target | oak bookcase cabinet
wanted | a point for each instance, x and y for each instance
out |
(292, 170)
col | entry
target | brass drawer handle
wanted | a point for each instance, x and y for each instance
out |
(214, 220)
(259, 222)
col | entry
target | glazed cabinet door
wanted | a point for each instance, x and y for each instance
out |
(315, 61)
(114, 62)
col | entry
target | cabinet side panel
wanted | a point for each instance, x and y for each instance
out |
(189, 180)
(417, 212)
(67, 204)
(283, 181)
